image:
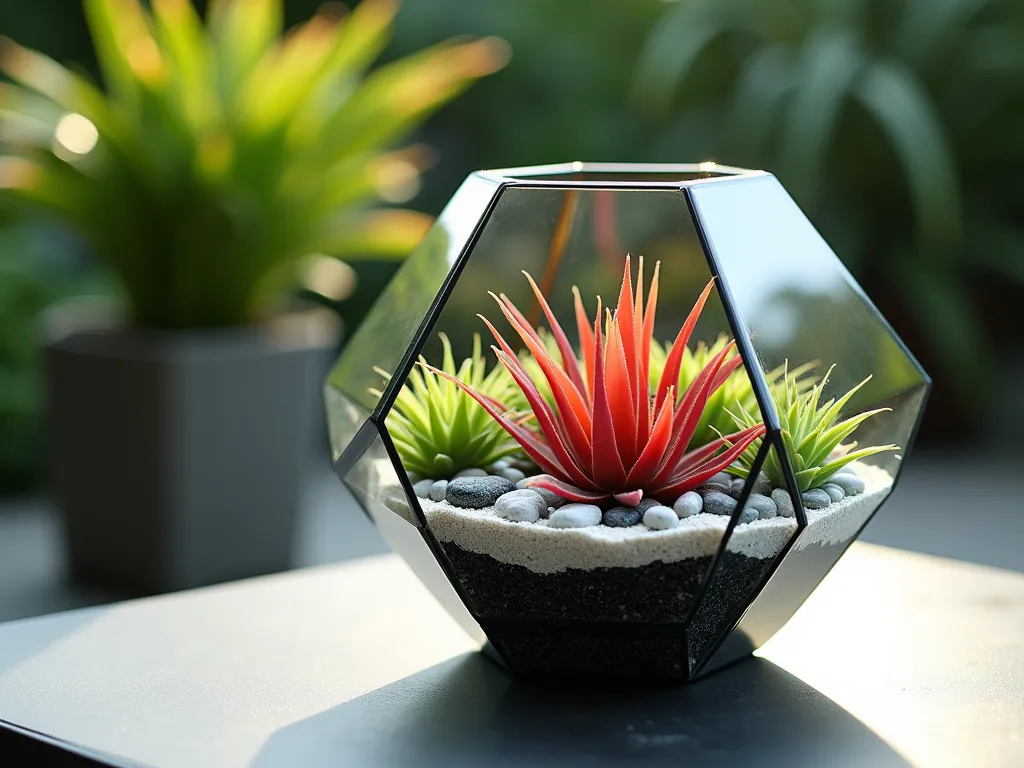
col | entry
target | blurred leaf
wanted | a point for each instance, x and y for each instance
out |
(221, 157)
(891, 94)
(946, 316)
(384, 233)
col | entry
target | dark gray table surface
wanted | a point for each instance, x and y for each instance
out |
(897, 659)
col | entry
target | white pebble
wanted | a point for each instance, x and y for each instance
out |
(524, 506)
(575, 516)
(688, 505)
(470, 473)
(422, 488)
(437, 490)
(660, 518)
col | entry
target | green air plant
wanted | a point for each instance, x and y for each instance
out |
(221, 158)
(735, 394)
(533, 368)
(811, 434)
(439, 430)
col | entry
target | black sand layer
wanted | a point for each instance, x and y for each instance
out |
(729, 593)
(655, 593)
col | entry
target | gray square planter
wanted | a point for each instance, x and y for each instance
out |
(178, 457)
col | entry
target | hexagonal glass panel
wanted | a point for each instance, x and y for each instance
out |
(800, 308)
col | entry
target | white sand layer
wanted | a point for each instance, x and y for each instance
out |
(543, 549)
(840, 521)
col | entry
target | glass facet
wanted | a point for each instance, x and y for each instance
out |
(659, 506)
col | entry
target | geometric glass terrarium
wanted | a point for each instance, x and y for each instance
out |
(622, 420)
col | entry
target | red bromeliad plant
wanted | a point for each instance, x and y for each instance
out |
(606, 437)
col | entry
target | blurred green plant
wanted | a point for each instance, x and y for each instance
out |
(895, 123)
(222, 157)
(437, 428)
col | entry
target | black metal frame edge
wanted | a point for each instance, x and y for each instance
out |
(401, 373)
(28, 747)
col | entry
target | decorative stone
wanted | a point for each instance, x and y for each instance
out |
(849, 482)
(835, 492)
(511, 473)
(552, 498)
(783, 502)
(736, 488)
(471, 473)
(748, 515)
(719, 503)
(522, 463)
(496, 467)
(548, 511)
(762, 485)
(815, 498)
(437, 490)
(688, 505)
(575, 516)
(422, 488)
(764, 506)
(521, 506)
(477, 492)
(661, 518)
(721, 482)
(646, 504)
(621, 517)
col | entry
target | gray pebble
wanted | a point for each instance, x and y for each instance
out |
(784, 503)
(736, 488)
(522, 506)
(721, 482)
(511, 473)
(646, 504)
(522, 463)
(764, 506)
(477, 492)
(471, 473)
(688, 505)
(815, 498)
(496, 467)
(437, 490)
(661, 518)
(552, 498)
(835, 492)
(849, 482)
(748, 515)
(422, 488)
(575, 516)
(621, 517)
(718, 503)
(762, 485)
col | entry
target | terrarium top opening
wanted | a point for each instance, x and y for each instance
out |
(624, 175)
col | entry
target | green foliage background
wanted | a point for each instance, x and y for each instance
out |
(895, 123)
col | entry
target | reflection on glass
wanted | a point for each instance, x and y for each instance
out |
(390, 327)
(857, 386)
